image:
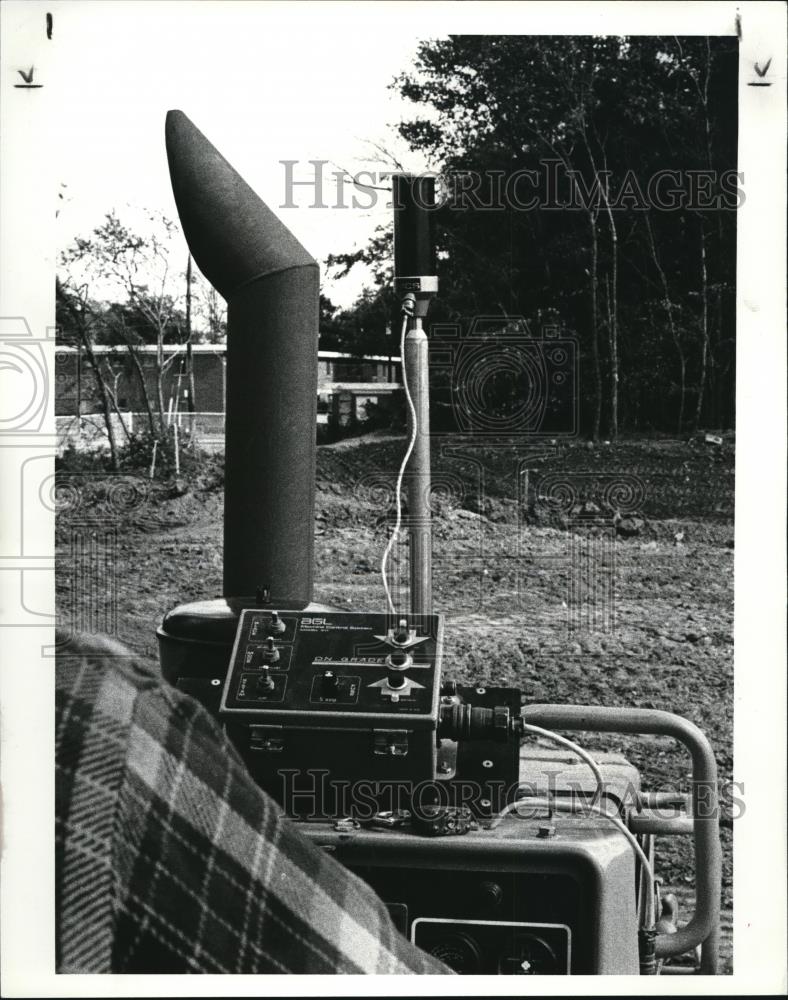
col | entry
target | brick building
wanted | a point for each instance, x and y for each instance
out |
(345, 383)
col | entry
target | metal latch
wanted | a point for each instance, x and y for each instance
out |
(390, 742)
(269, 739)
(389, 819)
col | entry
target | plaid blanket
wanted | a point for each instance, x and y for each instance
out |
(169, 858)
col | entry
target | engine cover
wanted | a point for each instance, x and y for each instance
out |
(509, 900)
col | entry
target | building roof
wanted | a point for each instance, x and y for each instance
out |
(218, 349)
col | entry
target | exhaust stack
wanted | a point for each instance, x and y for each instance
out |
(271, 285)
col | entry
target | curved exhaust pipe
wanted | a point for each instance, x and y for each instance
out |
(272, 287)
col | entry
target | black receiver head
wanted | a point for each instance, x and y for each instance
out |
(414, 242)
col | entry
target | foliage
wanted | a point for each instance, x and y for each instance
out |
(135, 456)
(76, 460)
(386, 416)
(365, 328)
(139, 268)
(136, 289)
(649, 294)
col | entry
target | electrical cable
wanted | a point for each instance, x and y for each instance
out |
(559, 806)
(575, 748)
(408, 304)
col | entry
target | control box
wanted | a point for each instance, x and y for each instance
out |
(325, 707)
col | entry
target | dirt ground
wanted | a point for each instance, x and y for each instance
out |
(592, 575)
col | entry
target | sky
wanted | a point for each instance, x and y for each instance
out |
(265, 82)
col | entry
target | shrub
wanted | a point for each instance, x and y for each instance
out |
(78, 460)
(137, 454)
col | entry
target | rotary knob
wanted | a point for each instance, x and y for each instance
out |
(396, 681)
(489, 895)
(397, 662)
(401, 634)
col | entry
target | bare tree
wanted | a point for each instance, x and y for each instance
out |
(214, 311)
(576, 78)
(701, 80)
(704, 326)
(592, 222)
(116, 260)
(74, 301)
(669, 311)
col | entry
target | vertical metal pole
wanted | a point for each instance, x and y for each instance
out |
(79, 386)
(710, 952)
(223, 359)
(418, 471)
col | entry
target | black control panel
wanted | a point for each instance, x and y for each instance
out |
(348, 695)
(334, 664)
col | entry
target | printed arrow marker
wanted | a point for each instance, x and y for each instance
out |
(761, 73)
(407, 686)
(28, 78)
(414, 640)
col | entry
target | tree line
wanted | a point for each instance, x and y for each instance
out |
(584, 184)
(588, 183)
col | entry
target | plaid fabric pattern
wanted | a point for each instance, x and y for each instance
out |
(169, 858)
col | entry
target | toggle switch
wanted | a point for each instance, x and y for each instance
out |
(265, 682)
(270, 653)
(329, 684)
(277, 625)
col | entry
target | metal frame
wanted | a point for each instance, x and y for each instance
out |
(703, 929)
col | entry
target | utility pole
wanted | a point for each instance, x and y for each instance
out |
(189, 356)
